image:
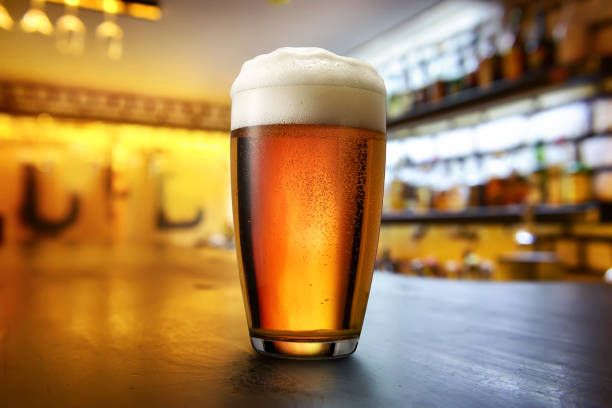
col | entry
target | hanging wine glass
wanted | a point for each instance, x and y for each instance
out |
(35, 20)
(70, 30)
(109, 32)
(6, 21)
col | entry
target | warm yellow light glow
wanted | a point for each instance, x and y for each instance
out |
(45, 128)
(110, 6)
(144, 11)
(109, 29)
(70, 34)
(73, 3)
(6, 21)
(70, 22)
(35, 20)
(123, 174)
(112, 34)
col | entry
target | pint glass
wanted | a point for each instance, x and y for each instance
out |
(307, 161)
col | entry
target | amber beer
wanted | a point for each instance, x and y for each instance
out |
(307, 197)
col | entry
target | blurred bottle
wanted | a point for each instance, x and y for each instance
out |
(576, 187)
(476, 181)
(458, 193)
(558, 155)
(407, 178)
(553, 186)
(517, 189)
(469, 60)
(570, 34)
(440, 185)
(400, 98)
(419, 78)
(452, 67)
(539, 47)
(407, 96)
(498, 170)
(602, 35)
(596, 154)
(423, 189)
(538, 179)
(490, 67)
(494, 192)
(396, 191)
(436, 72)
(602, 185)
(512, 46)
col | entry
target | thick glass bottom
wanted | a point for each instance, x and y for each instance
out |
(305, 350)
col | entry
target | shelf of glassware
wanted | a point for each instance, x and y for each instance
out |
(545, 213)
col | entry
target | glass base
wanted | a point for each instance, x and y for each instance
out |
(305, 350)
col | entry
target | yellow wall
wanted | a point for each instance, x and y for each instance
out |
(121, 175)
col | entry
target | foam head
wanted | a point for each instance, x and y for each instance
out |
(308, 86)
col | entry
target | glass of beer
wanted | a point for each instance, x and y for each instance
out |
(308, 161)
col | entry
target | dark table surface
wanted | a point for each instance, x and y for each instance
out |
(93, 326)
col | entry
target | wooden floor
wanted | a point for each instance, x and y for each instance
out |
(110, 327)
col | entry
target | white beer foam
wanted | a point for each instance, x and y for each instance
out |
(308, 86)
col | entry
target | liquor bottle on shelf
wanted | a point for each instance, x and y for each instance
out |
(408, 97)
(458, 194)
(419, 77)
(436, 69)
(400, 98)
(602, 185)
(558, 154)
(408, 202)
(571, 34)
(512, 46)
(407, 177)
(494, 192)
(395, 194)
(489, 68)
(423, 189)
(452, 68)
(474, 177)
(469, 61)
(516, 189)
(539, 47)
(576, 187)
(538, 179)
(440, 184)
(601, 41)
(553, 185)
(497, 169)
(523, 165)
(596, 152)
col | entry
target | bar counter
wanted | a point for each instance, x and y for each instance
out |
(154, 326)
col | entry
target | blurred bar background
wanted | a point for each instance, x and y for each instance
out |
(113, 130)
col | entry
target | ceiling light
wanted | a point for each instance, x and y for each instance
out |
(110, 33)
(35, 20)
(70, 34)
(6, 21)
